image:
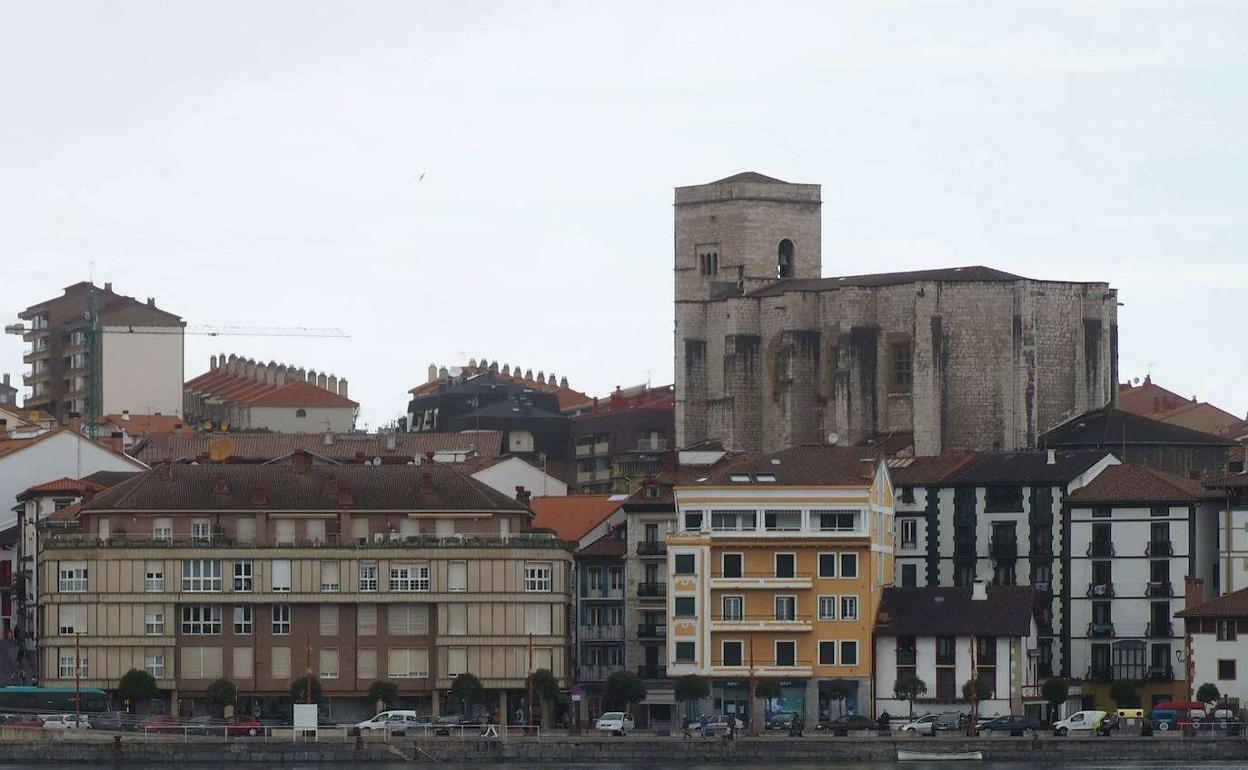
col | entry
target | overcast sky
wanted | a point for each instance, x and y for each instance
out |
(259, 163)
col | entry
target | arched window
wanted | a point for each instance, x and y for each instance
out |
(301, 413)
(784, 259)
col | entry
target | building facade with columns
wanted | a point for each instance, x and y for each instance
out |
(769, 353)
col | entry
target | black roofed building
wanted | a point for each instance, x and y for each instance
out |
(947, 637)
(1144, 441)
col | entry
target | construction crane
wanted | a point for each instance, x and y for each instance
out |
(91, 407)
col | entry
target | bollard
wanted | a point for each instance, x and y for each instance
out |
(117, 742)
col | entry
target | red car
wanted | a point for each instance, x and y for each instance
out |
(22, 720)
(244, 725)
(159, 723)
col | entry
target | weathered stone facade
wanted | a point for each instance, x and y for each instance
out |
(769, 355)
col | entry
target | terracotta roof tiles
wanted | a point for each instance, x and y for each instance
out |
(571, 516)
(1127, 483)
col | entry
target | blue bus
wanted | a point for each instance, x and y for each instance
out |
(54, 700)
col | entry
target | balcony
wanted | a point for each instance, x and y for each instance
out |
(602, 592)
(1163, 630)
(1100, 630)
(596, 673)
(652, 631)
(1160, 673)
(1100, 548)
(651, 548)
(1160, 588)
(1003, 549)
(584, 450)
(651, 590)
(761, 623)
(652, 445)
(590, 477)
(652, 672)
(600, 633)
(780, 668)
(761, 580)
(1101, 590)
(1159, 548)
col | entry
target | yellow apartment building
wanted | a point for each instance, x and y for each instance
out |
(775, 571)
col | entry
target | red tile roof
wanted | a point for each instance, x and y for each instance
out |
(245, 391)
(1128, 483)
(1232, 605)
(570, 517)
(610, 544)
(63, 485)
(344, 447)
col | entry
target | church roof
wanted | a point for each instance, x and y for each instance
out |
(968, 274)
(750, 176)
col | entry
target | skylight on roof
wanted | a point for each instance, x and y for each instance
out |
(775, 461)
(740, 478)
(766, 478)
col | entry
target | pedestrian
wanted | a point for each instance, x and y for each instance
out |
(732, 727)
(702, 720)
(687, 722)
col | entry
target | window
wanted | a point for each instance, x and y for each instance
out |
(66, 669)
(782, 521)
(244, 662)
(331, 582)
(902, 369)
(281, 575)
(368, 576)
(301, 413)
(827, 565)
(281, 619)
(329, 620)
(243, 576)
(827, 653)
(280, 663)
(732, 565)
(200, 663)
(849, 652)
(849, 565)
(835, 520)
(686, 652)
(616, 578)
(1226, 670)
(73, 577)
(732, 655)
(154, 621)
(1159, 510)
(201, 531)
(537, 577)
(537, 619)
(849, 608)
(909, 576)
(366, 665)
(154, 577)
(242, 620)
(245, 529)
(457, 576)
(284, 531)
(786, 607)
(457, 619)
(686, 606)
(734, 521)
(329, 664)
(407, 619)
(734, 607)
(909, 533)
(408, 663)
(201, 575)
(154, 665)
(201, 620)
(1003, 498)
(1226, 630)
(685, 563)
(366, 620)
(786, 653)
(162, 529)
(693, 520)
(316, 530)
(595, 579)
(827, 608)
(72, 619)
(786, 565)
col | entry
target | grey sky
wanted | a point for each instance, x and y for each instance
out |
(258, 163)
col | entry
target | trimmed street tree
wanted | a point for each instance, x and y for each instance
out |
(1124, 694)
(1208, 693)
(622, 689)
(299, 690)
(980, 688)
(546, 687)
(466, 689)
(222, 693)
(691, 688)
(908, 688)
(1055, 692)
(135, 686)
(386, 693)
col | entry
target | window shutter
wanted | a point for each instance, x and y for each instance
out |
(408, 619)
(285, 531)
(281, 663)
(359, 528)
(316, 530)
(366, 665)
(457, 619)
(457, 576)
(330, 576)
(537, 619)
(457, 660)
(281, 574)
(366, 620)
(329, 620)
(329, 664)
(243, 663)
(246, 530)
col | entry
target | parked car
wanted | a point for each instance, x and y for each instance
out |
(782, 720)
(394, 722)
(244, 724)
(22, 720)
(950, 720)
(159, 723)
(444, 725)
(615, 722)
(924, 725)
(66, 722)
(1011, 723)
(723, 724)
(205, 725)
(1080, 720)
(848, 722)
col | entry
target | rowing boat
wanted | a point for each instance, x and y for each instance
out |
(904, 755)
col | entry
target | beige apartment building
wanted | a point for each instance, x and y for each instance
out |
(411, 574)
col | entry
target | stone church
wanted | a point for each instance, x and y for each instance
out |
(771, 354)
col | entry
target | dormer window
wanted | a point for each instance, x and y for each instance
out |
(652, 492)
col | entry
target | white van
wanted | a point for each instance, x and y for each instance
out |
(1080, 720)
(393, 722)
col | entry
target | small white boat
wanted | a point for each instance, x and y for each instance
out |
(904, 755)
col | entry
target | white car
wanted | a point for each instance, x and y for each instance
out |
(393, 722)
(66, 722)
(925, 724)
(616, 722)
(1080, 720)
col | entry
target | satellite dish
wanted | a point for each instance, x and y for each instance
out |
(220, 450)
(455, 371)
(376, 461)
(833, 438)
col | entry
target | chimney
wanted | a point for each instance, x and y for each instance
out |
(342, 387)
(115, 441)
(1193, 591)
(108, 286)
(541, 376)
(312, 376)
(125, 414)
(212, 366)
(523, 496)
(328, 439)
(426, 483)
(429, 456)
(444, 374)
(494, 367)
(1052, 457)
(595, 403)
(528, 374)
(506, 370)
(332, 383)
(979, 591)
(551, 379)
(563, 382)
(219, 487)
(433, 372)
(472, 363)
(392, 442)
(322, 381)
(279, 376)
